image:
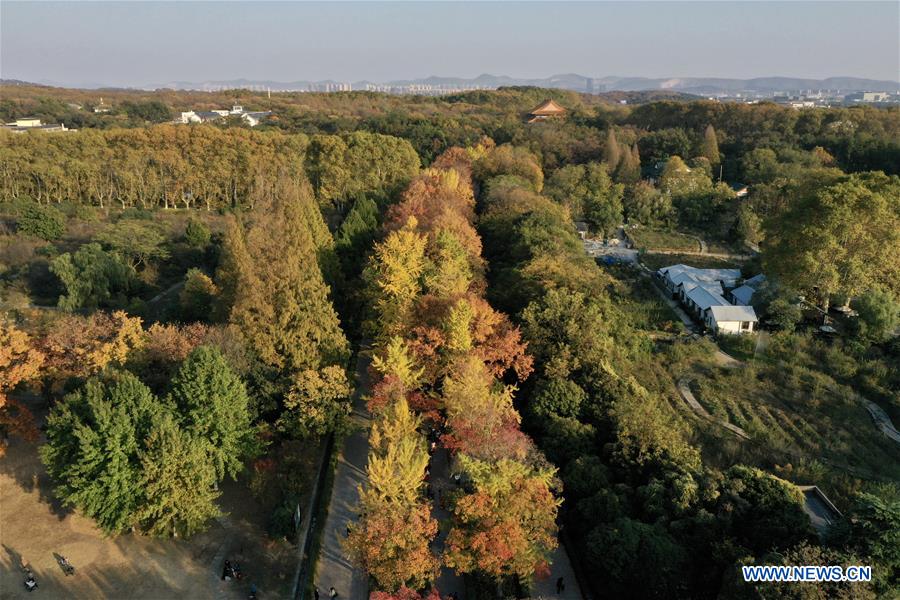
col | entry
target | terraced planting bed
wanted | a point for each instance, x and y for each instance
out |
(800, 414)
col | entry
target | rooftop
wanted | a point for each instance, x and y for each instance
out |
(743, 294)
(733, 313)
(705, 299)
(822, 513)
(547, 108)
(700, 274)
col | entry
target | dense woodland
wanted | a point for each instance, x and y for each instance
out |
(189, 301)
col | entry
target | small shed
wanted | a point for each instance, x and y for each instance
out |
(582, 229)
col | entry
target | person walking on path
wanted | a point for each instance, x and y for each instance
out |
(560, 586)
(333, 593)
(316, 593)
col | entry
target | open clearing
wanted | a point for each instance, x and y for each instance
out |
(35, 527)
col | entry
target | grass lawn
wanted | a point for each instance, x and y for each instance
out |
(640, 301)
(655, 240)
(657, 261)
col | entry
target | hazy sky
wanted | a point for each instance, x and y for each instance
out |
(140, 43)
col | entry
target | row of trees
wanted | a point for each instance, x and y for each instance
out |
(439, 355)
(172, 166)
(155, 418)
(637, 492)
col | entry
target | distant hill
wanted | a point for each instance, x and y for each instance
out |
(705, 86)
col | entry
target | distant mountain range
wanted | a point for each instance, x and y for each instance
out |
(581, 83)
(707, 86)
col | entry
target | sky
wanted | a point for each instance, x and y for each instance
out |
(146, 43)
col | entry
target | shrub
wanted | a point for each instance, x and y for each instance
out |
(43, 222)
(197, 233)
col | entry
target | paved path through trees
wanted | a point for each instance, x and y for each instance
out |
(334, 567)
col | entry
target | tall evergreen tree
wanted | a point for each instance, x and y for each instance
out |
(603, 203)
(356, 233)
(281, 301)
(94, 437)
(211, 401)
(710, 147)
(612, 153)
(629, 168)
(177, 481)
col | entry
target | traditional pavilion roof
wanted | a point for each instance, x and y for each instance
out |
(548, 108)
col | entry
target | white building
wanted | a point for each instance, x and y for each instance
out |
(251, 118)
(34, 124)
(727, 277)
(730, 319)
(702, 292)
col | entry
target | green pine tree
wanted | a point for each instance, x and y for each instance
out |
(356, 234)
(94, 437)
(212, 403)
(178, 482)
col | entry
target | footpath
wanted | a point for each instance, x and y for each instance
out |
(334, 568)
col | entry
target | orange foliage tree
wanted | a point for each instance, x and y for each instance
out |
(77, 346)
(19, 362)
(507, 527)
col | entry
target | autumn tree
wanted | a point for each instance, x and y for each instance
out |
(480, 414)
(280, 300)
(612, 152)
(391, 540)
(20, 362)
(164, 348)
(316, 403)
(77, 347)
(392, 545)
(510, 160)
(395, 272)
(327, 167)
(507, 526)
